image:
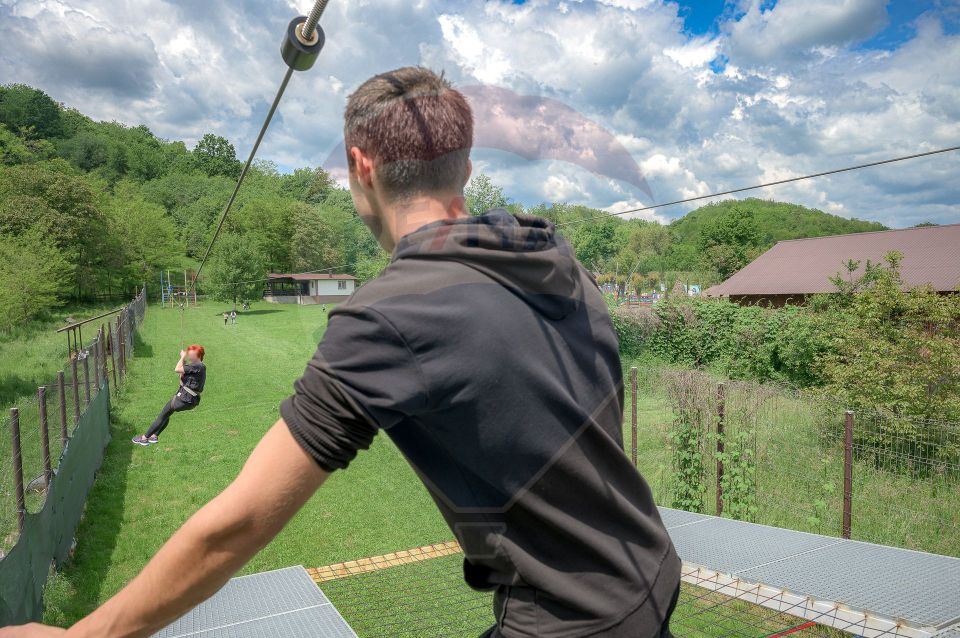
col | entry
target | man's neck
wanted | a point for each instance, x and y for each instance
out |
(411, 214)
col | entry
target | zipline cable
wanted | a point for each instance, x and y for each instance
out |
(776, 183)
(300, 48)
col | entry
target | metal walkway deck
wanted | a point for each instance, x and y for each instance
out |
(868, 590)
(872, 590)
(284, 603)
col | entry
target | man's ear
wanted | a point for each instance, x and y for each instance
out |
(362, 166)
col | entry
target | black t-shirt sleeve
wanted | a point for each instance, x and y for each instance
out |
(362, 377)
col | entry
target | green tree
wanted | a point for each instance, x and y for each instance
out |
(729, 242)
(370, 267)
(215, 155)
(594, 243)
(237, 270)
(268, 222)
(145, 235)
(29, 112)
(308, 185)
(321, 237)
(63, 206)
(33, 273)
(13, 149)
(896, 349)
(482, 195)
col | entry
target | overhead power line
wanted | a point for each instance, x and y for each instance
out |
(749, 188)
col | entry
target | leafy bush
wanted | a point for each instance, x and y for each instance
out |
(870, 345)
(743, 342)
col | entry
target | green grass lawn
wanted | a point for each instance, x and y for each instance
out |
(142, 495)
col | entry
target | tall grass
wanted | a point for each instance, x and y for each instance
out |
(904, 494)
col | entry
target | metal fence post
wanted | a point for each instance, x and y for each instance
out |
(62, 391)
(17, 467)
(721, 415)
(113, 360)
(86, 378)
(633, 415)
(44, 435)
(76, 391)
(847, 475)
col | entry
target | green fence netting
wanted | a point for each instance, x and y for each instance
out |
(48, 534)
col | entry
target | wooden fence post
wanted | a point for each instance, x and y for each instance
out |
(721, 415)
(113, 360)
(103, 352)
(17, 468)
(847, 475)
(62, 391)
(76, 391)
(121, 338)
(633, 415)
(44, 435)
(86, 378)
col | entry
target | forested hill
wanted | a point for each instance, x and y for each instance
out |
(88, 208)
(775, 221)
(767, 222)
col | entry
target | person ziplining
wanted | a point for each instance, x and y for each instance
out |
(193, 376)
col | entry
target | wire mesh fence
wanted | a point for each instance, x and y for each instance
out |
(415, 600)
(429, 598)
(781, 457)
(45, 421)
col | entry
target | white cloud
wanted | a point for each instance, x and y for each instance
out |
(795, 27)
(796, 95)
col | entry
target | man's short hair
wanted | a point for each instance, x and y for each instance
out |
(415, 126)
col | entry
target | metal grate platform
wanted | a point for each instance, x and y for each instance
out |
(285, 602)
(882, 589)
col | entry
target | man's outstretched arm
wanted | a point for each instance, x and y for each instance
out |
(277, 479)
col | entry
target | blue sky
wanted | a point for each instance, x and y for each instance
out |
(703, 95)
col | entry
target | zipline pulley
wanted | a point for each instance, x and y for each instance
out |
(298, 50)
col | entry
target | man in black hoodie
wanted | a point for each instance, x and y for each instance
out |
(486, 353)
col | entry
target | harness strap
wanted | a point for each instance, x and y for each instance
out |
(192, 393)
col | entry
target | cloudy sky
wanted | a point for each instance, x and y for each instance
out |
(705, 95)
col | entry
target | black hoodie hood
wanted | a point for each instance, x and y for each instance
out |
(523, 254)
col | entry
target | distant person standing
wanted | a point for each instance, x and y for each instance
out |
(233, 317)
(225, 317)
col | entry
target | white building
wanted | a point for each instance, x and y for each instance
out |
(309, 288)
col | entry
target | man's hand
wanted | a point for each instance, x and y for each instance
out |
(33, 630)
(183, 355)
(278, 478)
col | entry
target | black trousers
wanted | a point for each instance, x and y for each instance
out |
(494, 632)
(179, 403)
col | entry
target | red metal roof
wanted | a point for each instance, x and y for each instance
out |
(308, 276)
(931, 255)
